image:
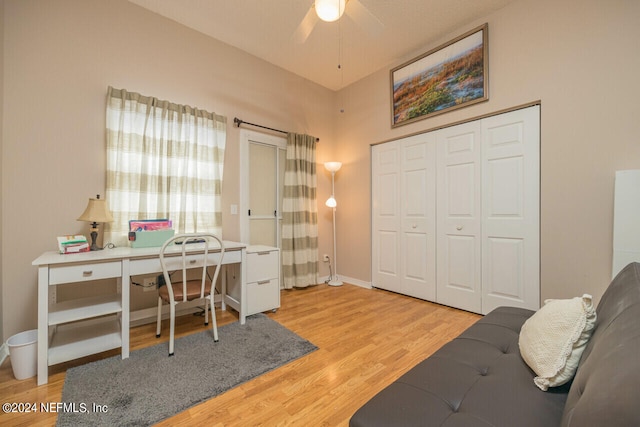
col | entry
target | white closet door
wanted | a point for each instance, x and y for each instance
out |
(459, 217)
(385, 185)
(418, 222)
(475, 187)
(510, 210)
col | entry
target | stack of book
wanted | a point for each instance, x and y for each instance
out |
(73, 244)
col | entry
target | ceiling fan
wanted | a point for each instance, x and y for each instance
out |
(332, 10)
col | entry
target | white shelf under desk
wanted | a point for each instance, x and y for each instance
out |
(84, 308)
(72, 341)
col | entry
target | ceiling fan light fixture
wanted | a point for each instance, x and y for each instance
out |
(330, 10)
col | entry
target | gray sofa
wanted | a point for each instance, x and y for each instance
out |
(480, 379)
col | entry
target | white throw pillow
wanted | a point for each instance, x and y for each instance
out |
(553, 339)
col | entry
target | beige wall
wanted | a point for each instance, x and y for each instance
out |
(580, 58)
(59, 58)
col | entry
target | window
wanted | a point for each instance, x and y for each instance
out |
(163, 161)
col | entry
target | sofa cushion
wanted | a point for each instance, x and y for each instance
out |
(553, 339)
(606, 387)
(477, 379)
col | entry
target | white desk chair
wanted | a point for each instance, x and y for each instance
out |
(188, 289)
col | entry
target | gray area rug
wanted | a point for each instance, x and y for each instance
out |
(150, 386)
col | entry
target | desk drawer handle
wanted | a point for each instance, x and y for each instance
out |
(264, 282)
(87, 273)
(263, 253)
(193, 261)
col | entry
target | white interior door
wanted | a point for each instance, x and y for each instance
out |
(261, 184)
(459, 266)
(511, 210)
(385, 186)
(418, 221)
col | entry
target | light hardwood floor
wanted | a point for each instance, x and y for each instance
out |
(366, 339)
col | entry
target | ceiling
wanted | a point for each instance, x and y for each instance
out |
(335, 54)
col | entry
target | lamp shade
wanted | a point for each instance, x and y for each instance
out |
(330, 10)
(96, 211)
(333, 166)
(331, 202)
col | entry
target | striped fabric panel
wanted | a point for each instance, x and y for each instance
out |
(163, 161)
(300, 213)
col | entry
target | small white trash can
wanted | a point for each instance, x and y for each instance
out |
(23, 351)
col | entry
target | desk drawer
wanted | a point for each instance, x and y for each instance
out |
(85, 272)
(192, 261)
(263, 296)
(262, 266)
(152, 265)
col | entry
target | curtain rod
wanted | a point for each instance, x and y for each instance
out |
(238, 122)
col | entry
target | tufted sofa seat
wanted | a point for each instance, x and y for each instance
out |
(480, 379)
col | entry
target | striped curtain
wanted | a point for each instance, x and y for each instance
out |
(300, 213)
(163, 161)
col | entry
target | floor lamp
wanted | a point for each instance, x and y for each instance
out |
(333, 167)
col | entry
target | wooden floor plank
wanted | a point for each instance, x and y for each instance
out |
(366, 339)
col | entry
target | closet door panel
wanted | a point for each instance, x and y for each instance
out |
(385, 176)
(504, 268)
(387, 261)
(462, 261)
(458, 216)
(414, 232)
(418, 217)
(511, 219)
(461, 191)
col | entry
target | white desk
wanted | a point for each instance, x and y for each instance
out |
(102, 323)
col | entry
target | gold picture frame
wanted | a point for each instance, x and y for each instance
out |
(451, 76)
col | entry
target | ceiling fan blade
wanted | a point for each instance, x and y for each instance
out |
(303, 31)
(364, 18)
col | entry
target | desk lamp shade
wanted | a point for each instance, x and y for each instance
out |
(96, 211)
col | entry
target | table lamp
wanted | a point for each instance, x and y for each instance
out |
(96, 211)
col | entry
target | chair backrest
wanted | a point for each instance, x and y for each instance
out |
(189, 251)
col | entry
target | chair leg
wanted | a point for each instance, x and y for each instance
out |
(172, 327)
(206, 312)
(213, 319)
(159, 321)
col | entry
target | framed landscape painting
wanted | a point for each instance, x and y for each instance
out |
(451, 76)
